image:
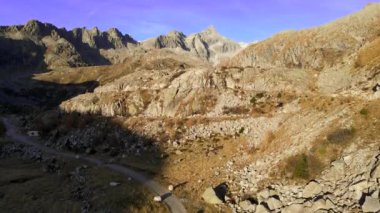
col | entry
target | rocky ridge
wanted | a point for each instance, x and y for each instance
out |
(59, 47)
(208, 44)
(48, 46)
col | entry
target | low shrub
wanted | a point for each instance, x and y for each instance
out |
(236, 110)
(364, 112)
(341, 135)
(303, 166)
(297, 165)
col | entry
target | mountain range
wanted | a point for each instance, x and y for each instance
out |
(42, 45)
(290, 123)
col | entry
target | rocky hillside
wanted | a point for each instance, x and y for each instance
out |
(296, 108)
(290, 124)
(208, 44)
(317, 48)
(45, 45)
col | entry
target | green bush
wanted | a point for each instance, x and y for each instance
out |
(301, 168)
(364, 112)
(341, 135)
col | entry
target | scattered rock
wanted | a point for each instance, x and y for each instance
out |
(294, 208)
(114, 183)
(262, 209)
(210, 196)
(246, 205)
(274, 203)
(157, 198)
(214, 195)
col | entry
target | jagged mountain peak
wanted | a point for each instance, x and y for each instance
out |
(115, 32)
(210, 30)
(176, 33)
(207, 44)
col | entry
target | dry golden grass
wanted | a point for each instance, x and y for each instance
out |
(368, 53)
(199, 161)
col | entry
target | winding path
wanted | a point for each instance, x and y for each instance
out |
(174, 204)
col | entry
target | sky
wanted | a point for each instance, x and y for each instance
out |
(239, 20)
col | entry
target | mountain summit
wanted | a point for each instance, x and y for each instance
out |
(208, 44)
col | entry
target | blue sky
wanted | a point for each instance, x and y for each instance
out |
(240, 20)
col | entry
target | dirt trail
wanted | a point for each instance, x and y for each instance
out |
(174, 204)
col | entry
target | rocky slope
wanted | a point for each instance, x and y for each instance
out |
(350, 70)
(317, 48)
(285, 122)
(308, 93)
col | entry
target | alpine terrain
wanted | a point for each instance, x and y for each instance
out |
(196, 123)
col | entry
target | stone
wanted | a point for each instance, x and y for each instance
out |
(90, 151)
(157, 198)
(358, 188)
(312, 189)
(261, 209)
(347, 159)
(114, 183)
(338, 169)
(376, 193)
(376, 172)
(274, 203)
(170, 187)
(265, 194)
(294, 208)
(371, 204)
(321, 204)
(246, 205)
(209, 196)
